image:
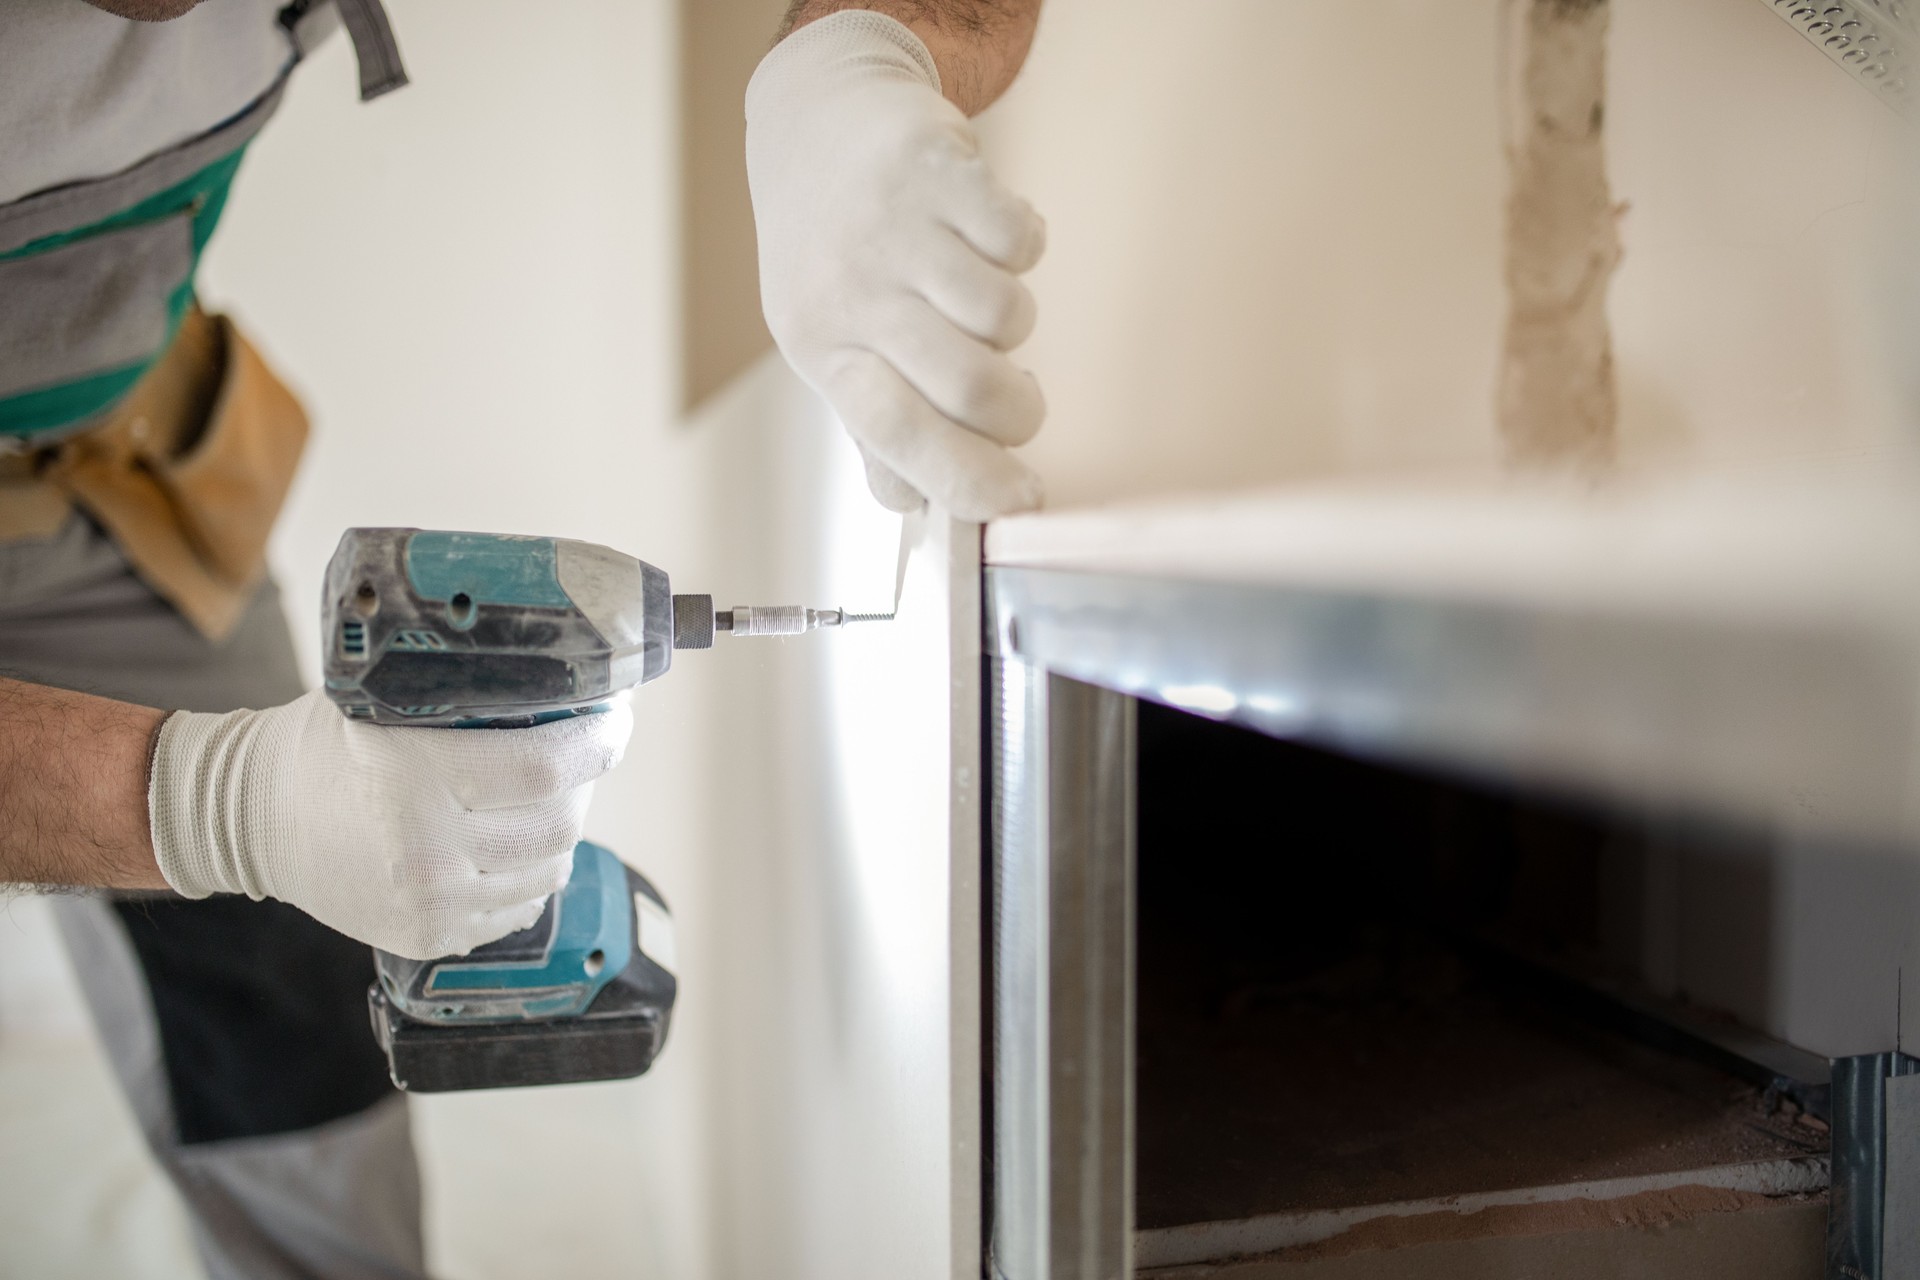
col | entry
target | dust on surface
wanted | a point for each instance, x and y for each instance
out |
(1756, 1239)
(1649, 1210)
(1403, 1071)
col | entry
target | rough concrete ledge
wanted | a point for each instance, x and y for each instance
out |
(1651, 1201)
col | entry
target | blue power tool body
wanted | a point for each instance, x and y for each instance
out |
(479, 631)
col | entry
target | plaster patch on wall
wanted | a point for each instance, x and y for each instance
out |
(1557, 400)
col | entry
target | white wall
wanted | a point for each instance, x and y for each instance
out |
(830, 839)
(1756, 174)
(1276, 228)
(1273, 239)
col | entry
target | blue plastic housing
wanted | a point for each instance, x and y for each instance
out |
(582, 941)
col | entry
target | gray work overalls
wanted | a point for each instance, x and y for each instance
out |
(237, 1029)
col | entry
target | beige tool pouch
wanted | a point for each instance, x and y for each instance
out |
(186, 474)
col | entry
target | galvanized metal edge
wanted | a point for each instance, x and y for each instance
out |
(1810, 729)
(1871, 40)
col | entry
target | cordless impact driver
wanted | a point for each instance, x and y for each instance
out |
(480, 631)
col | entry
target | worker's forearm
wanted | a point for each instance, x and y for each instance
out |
(73, 789)
(978, 45)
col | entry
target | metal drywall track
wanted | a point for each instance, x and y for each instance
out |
(1808, 725)
(1063, 983)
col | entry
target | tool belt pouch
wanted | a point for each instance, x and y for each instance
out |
(188, 473)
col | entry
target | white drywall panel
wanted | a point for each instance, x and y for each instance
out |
(1754, 174)
(1276, 240)
(844, 1144)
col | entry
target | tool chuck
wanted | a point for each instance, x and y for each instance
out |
(696, 622)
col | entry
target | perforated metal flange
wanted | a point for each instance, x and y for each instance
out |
(1872, 40)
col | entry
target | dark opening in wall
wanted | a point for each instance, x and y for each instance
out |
(1350, 995)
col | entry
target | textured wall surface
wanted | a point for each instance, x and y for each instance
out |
(1557, 404)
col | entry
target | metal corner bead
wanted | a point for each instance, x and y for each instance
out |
(1871, 40)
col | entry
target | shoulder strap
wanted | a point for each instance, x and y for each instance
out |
(374, 47)
(307, 21)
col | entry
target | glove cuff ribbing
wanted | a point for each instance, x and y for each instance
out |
(184, 799)
(847, 37)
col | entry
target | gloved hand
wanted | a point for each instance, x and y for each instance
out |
(422, 842)
(889, 263)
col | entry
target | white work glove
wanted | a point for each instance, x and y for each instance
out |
(889, 264)
(422, 842)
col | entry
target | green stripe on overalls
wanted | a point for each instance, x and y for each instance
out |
(50, 408)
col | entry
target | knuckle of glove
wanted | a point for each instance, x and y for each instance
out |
(982, 298)
(1019, 232)
(422, 941)
(523, 766)
(536, 774)
(421, 926)
(910, 134)
(421, 883)
(1001, 486)
(555, 838)
(958, 376)
(893, 493)
(888, 489)
(1006, 315)
(966, 472)
(607, 734)
(502, 923)
(1000, 224)
(871, 403)
(997, 400)
(520, 839)
(563, 823)
(1031, 240)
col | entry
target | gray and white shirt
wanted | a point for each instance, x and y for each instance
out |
(84, 94)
